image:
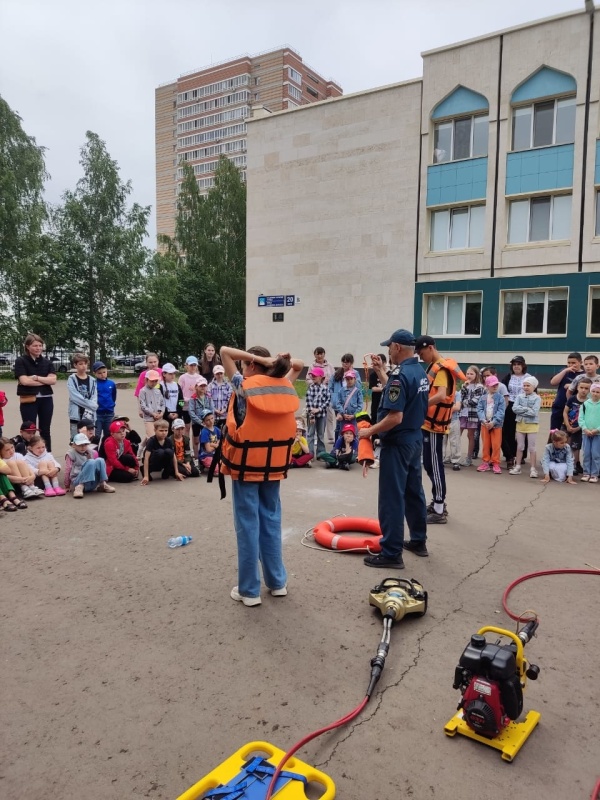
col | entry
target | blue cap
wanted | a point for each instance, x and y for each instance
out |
(191, 360)
(208, 412)
(401, 336)
(98, 365)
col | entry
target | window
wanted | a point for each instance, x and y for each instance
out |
(453, 314)
(457, 228)
(295, 75)
(294, 92)
(594, 325)
(544, 124)
(540, 219)
(256, 81)
(464, 137)
(597, 212)
(312, 91)
(538, 311)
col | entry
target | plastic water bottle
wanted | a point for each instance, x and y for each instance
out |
(179, 541)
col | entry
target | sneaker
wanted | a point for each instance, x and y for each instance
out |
(433, 518)
(466, 462)
(345, 467)
(49, 492)
(279, 592)
(247, 601)
(456, 467)
(496, 469)
(483, 467)
(28, 492)
(418, 548)
(593, 479)
(585, 478)
(58, 491)
(37, 492)
(78, 491)
(104, 487)
(516, 470)
(375, 464)
(383, 562)
(431, 509)
(533, 473)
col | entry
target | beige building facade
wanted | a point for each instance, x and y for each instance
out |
(463, 205)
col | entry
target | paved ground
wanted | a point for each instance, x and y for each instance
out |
(128, 672)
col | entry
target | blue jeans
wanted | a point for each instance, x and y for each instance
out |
(257, 520)
(401, 495)
(591, 455)
(317, 426)
(92, 473)
(103, 424)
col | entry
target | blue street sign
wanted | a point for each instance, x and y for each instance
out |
(275, 300)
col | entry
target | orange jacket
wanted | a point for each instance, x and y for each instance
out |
(260, 448)
(438, 417)
(365, 446)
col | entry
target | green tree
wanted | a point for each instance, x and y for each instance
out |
(22, 213)
(210, 246)
(100, 249)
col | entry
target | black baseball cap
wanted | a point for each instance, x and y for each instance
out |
(424, 341)
(518, 360)
(401, 336)
(29, 426)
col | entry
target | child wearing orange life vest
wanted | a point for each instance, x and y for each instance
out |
(263, 409)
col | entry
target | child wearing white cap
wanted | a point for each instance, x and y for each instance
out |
(526, 408)
(220, 391)
(172, 393)
(83, 472)
(187, 381)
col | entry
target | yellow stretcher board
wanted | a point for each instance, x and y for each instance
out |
(246, 775)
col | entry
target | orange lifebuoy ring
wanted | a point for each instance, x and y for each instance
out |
(326, 534)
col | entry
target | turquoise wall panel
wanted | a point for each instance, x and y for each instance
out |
(597, 171)
(545, 82)
(545, 168)
(461, 101)
(576, 338)
(457, 181)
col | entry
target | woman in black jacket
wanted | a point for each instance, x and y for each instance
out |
(36, 377)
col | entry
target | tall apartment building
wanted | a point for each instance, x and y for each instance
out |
(202, 115)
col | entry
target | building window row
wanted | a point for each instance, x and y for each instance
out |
(214, 119)
(522, 312)
(295, 75)
(211, 136)
(213, 150)
(210, 166)
(463, 137)
(213, 88)
(217, 102)
(294, 92)
(540, 219)
(312, 91)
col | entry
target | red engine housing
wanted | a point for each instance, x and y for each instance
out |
(482, 707)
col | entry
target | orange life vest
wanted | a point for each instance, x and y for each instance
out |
(260, 448)
(365, 446)
(438, 417)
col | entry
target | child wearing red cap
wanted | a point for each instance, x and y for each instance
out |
(345, 450)
(121, 464)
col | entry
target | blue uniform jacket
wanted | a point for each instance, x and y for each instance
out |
(406, 390)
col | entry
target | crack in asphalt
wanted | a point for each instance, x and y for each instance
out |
(379, 700)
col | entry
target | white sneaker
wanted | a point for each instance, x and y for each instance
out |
(247, 601)
(28, 492)
(533, 473)
(515, 471)
(279, 592)
(375, 464)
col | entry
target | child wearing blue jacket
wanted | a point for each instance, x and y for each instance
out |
(107, 399)
(347, 402)
(490, 412)
(526, 409)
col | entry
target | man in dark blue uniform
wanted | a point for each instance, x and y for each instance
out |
(400, 416)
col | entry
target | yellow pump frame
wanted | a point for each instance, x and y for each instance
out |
(513, 737)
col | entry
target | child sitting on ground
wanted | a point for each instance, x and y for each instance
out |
(490, 411)
(45, 466)
(345, 450)
(571, 421)
(152, 402)
(301, 455)
(21, 441)
(83, 472)
(20, 473)
(121, 464)
(209, 439)
(557, 459)
(8, 499)
(527, 411)
(183, 451)
(159, 455)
